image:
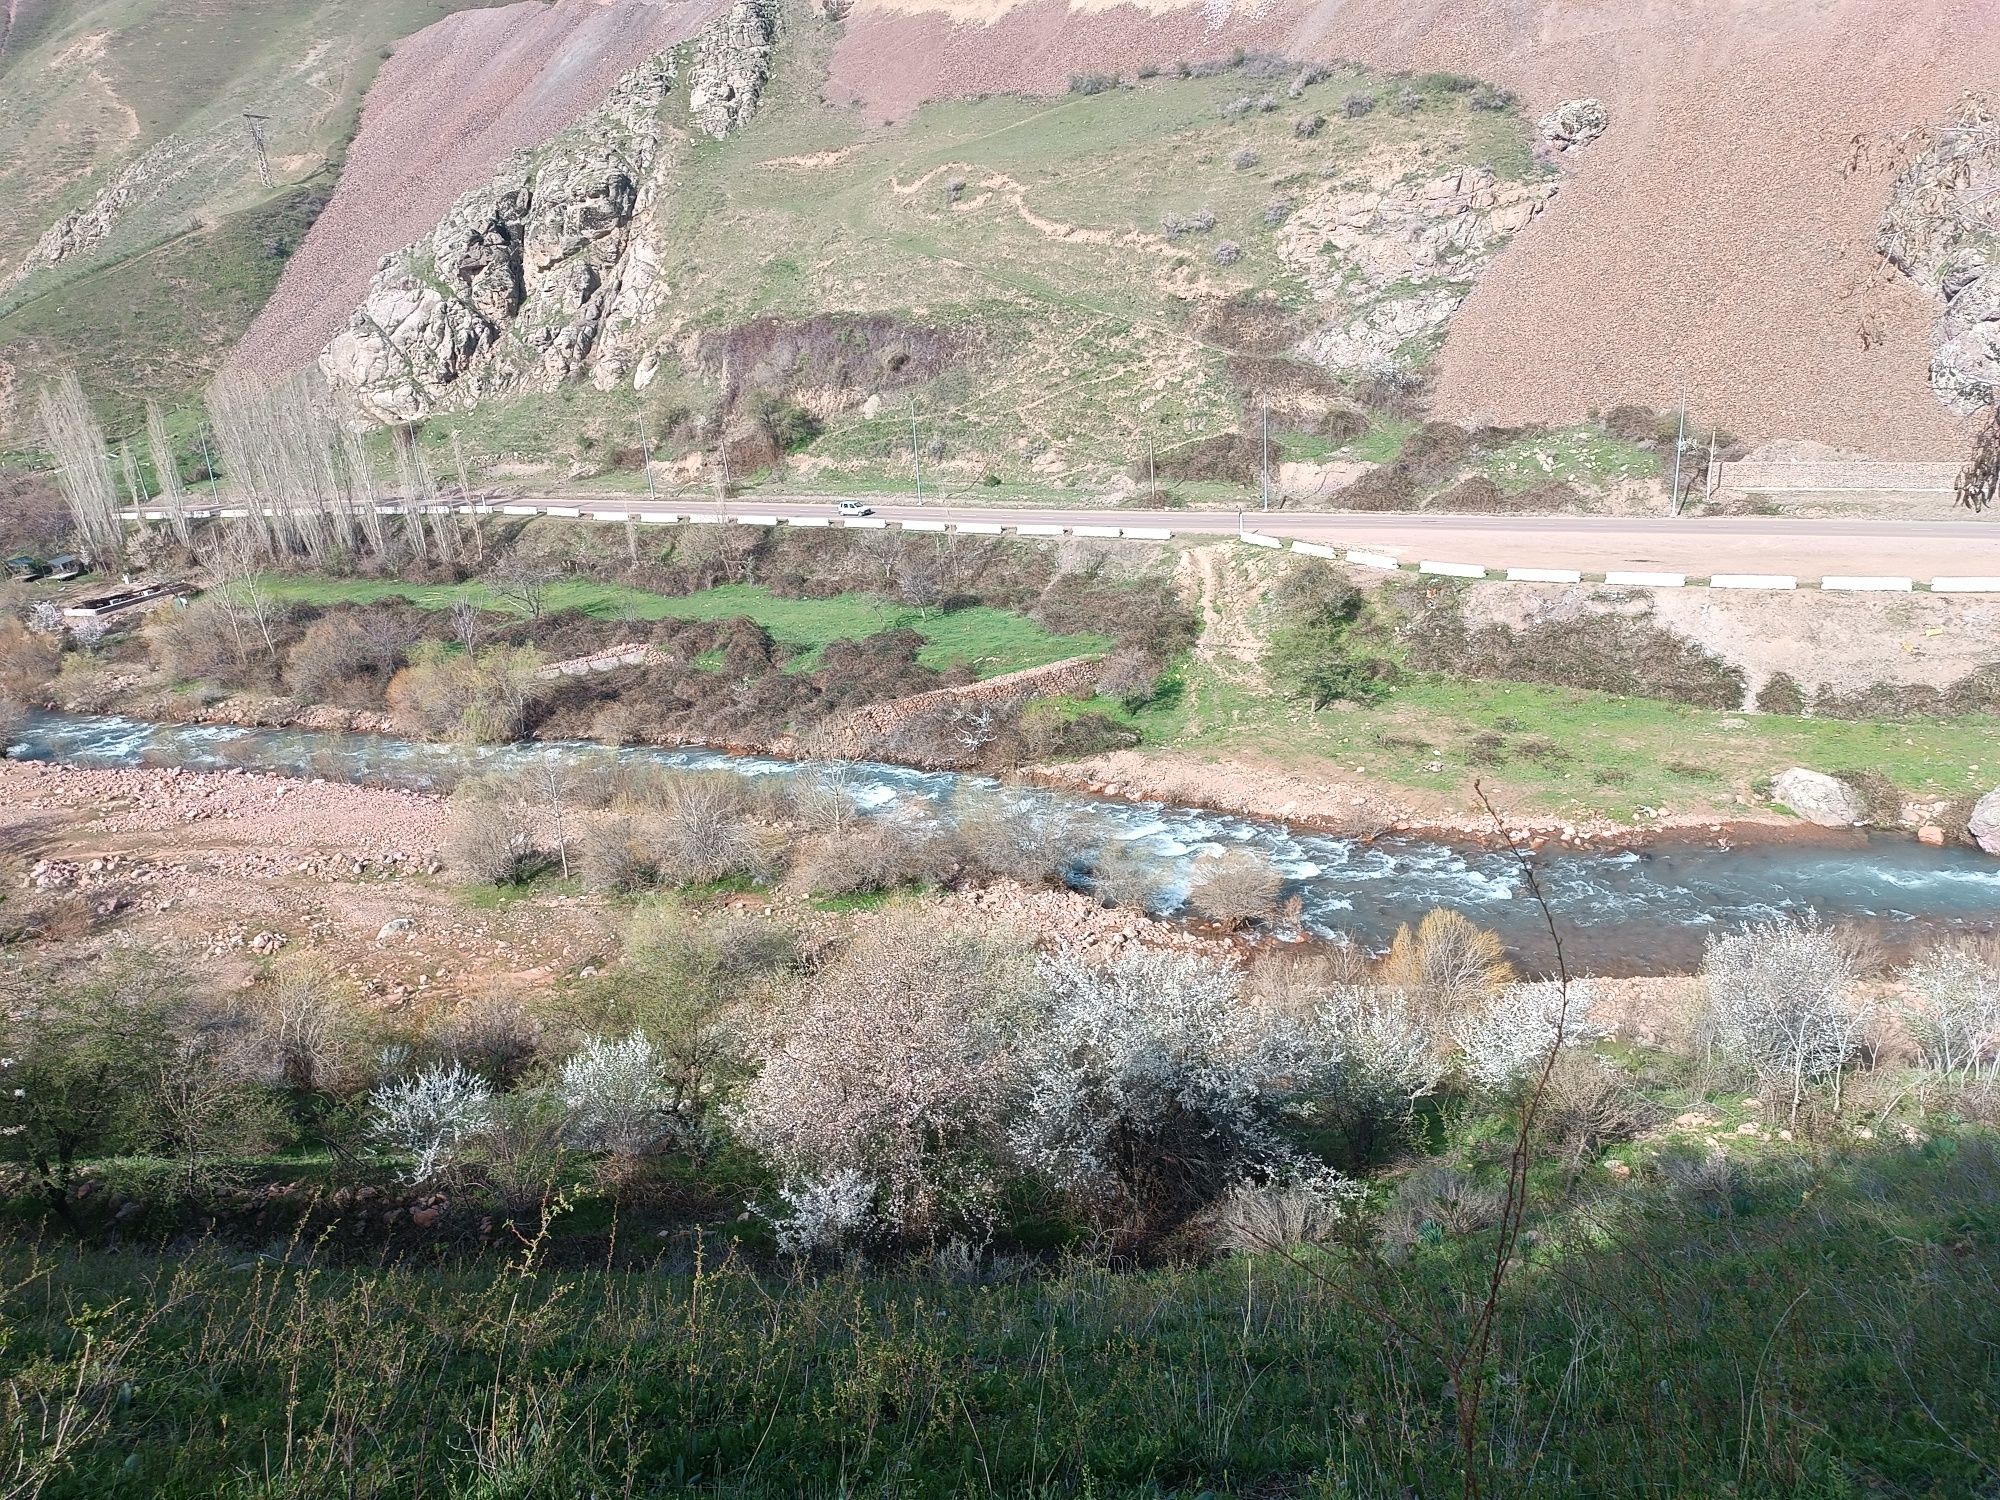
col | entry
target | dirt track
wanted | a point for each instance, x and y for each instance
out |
(1709, 242)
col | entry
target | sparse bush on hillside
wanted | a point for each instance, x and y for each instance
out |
(1228, 253)
(1313, 654)
(1388, 1061)
(350, 655)
(1953, 1011)
(1236, 888)
(1496, 100)
(489, 839)
(1308, 126)
(1178, 225)
(1244, 159)
(1354, 106)
(1092, 83)
(1781, 1000)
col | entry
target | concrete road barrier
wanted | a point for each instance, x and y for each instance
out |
(1146, 533)
(755, 520)
(569, 512)
(513, 510)
(923, 525)
(1856, 584)
(1544, 575)
(1648, 580)
(660, 518)
(705, 518)
(1093, 531)
(1258, 539)
(1039, 530)
(611, 515)
(865, 523)
(1452, 569)
(978, 528)
(1314, 549)
(1752, 581)
(808, 520)
(1965, 585)
(1372, 559)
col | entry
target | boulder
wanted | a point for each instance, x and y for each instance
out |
(1819, 798)
(1573, 123)
(1984, 824)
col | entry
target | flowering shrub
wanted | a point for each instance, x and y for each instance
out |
(430, 1117)
(1508, 1041)
(1152, 1088)
(824, 1213)
(1780, 999)
(897, 1064)
(1954, 1009)
(615, 1098)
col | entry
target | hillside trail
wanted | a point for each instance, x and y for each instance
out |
(1225, 596)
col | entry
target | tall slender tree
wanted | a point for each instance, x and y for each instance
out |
(83, 468)
(166, 474)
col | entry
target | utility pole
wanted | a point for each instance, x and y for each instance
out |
(251, 122)
(1267, 454)
(1680, 444)
(646, 449)
(916, 456)
(207, 462)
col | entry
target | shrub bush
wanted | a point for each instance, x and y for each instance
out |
(1236, 888)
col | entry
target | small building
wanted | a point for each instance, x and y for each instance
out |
(23, 568)
(67, 565)
(118, 600)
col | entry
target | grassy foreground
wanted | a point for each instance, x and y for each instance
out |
(1827, 1328)
(991, 641)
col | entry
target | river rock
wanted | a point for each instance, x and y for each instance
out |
(1819, 798)
(1984, 824)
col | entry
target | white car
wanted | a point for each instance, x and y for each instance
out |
(856, 508)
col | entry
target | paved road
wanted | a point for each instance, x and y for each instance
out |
(1697, 546)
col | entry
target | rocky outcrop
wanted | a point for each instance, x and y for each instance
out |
(1390, 258)
(1570, 126)
(82, 230)
(1942, 230)
(1819, 798)
(731, 63)
(1983, 827)
(538, 277)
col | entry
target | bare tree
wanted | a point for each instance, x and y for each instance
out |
(1781, 999)
(83, 467)
(166, 474)
(524, 582)
(1979, 481)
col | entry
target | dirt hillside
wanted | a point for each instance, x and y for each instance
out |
(1709, 241)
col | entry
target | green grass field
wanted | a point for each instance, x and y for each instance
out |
(991, 641)
(1563, 751)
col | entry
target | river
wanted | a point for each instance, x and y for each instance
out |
(1620, 910)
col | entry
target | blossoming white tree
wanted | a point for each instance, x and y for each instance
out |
(1152, 1088)
(430, 1117)
(1781, 1000)
(1509, 1039)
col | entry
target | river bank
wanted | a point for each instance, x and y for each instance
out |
(1361, 808)
(1624, 909)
